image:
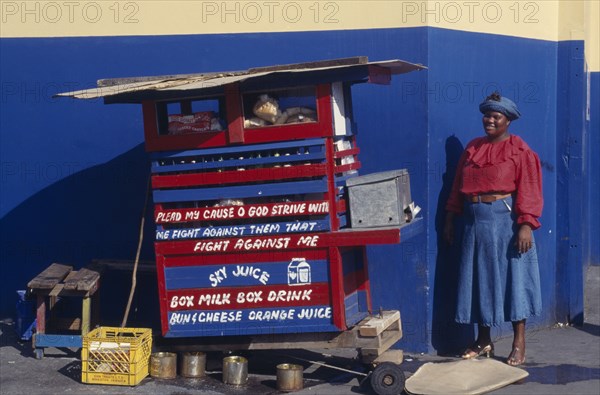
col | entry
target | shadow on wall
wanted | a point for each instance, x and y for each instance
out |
(92, 214)
(447, 336)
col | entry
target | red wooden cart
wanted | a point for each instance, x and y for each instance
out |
(254, 247)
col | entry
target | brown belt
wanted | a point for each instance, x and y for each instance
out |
(486, 198)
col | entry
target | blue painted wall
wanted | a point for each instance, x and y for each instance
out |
(73, 172)
(456, 87)
(570, 144)
(592, 174)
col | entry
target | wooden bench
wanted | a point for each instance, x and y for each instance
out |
(58, 281)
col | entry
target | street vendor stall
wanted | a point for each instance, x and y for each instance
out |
(261, 216)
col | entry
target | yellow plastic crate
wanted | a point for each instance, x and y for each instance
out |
(116, 356)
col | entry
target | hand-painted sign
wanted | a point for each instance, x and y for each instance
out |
(297, 272)
(243, 327)
(248, 297)
(242, 298)
(201, 318)
(274, 243)
(242, 230)
(242, 244)
(320, 207)
(248, 258)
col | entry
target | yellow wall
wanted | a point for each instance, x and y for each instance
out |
(111, 18)
(592, 34)
(547, 20)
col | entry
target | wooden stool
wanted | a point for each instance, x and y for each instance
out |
(59, 280)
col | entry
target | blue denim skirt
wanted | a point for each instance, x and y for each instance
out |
(496, 283)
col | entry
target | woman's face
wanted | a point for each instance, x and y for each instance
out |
(495, 125)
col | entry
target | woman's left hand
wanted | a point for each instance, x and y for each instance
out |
(524, 239)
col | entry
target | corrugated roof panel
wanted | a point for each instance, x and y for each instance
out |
(209, 83)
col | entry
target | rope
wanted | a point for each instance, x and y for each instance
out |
(328, 366)
(137, 255)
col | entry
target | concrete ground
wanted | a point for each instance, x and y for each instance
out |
(560, 360)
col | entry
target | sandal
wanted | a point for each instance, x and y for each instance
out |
(512, 359)
(477, 350)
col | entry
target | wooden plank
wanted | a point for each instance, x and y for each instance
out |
(356, 60)
(279, 242)
(246, 258)
(250, 321)
(348, 152)
(67, 324)
(235, 115)
(41, 314)
(150, 124)
(375, 325)
(56, 290)
(273, 146)
(352, 339)
(341, 206)
(186, 141)
(70, 276)
(385, 341)
(157, 78)
(254, 296)
(84, 280)
(354, 303)
(324, 109)
(69, 292)
(158, 168)
(343, 220)
(95, 318)
(85, 315)
(374, 349)
(51, 276)
(240, 192)
(347, 167)
(237, 176)
(255, 211)
(331, 187)
(286, 132)
(239, 275)
(242, 230)
(348, 339)
(43, 340)
(241, 244)
(394, 356)
(310, 340)
(348, 238)
(337, 288)
(366, 283)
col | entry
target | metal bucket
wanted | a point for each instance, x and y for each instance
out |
(289, 377)
(163, 365)
(193, 364)
(235, 370)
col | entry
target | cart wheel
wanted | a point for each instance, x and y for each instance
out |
(387, 379)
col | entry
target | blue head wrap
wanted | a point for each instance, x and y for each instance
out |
(504, 106)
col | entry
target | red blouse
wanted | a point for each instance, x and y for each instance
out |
(505, 167)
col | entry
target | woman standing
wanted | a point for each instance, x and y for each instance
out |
(498, 190)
